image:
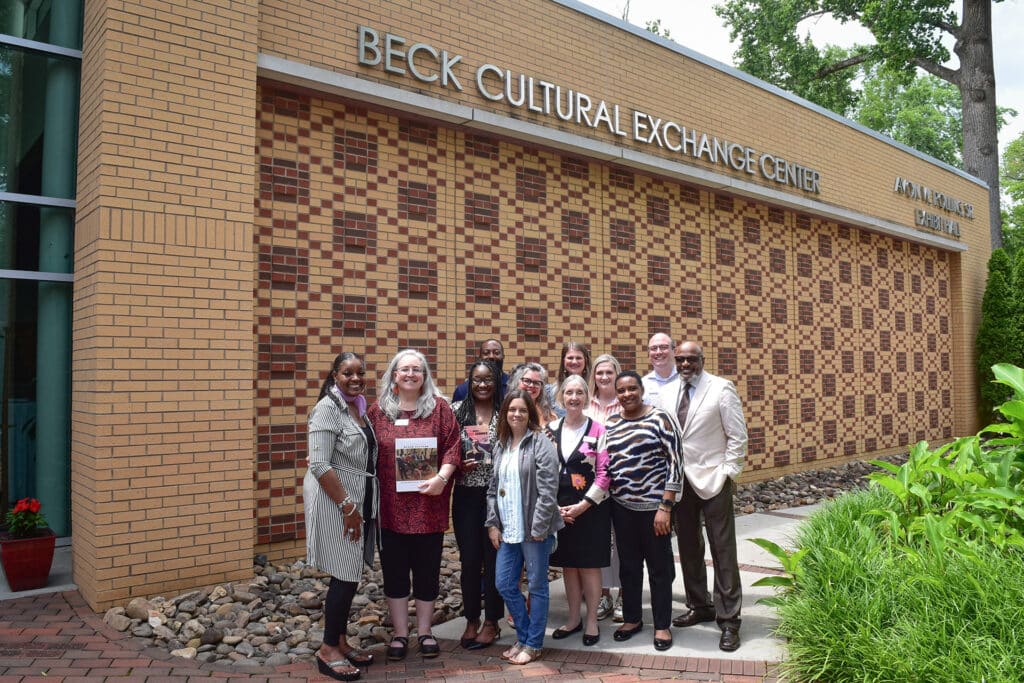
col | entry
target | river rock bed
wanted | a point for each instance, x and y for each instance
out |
(276, 617)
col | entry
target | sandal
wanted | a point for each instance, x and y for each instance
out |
(526, 655)
(428, 650)
(508, 654)
(359, 658)
(489, 633)
(327, 669)
(470, 634)
(396, 653)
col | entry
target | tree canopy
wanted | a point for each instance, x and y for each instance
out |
(908, 35)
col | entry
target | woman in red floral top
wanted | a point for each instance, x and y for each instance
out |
(418, 454)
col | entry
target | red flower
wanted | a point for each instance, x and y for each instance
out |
(34, 506)
(21, 505)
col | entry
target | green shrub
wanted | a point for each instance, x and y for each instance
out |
(920, 578)
(997, 340)
(867, 610)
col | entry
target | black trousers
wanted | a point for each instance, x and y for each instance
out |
(718, 518)
(477, 555)
(419, 554)
(637, 544)
(336, 608)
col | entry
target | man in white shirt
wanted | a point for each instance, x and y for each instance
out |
(661, 386)
(714, 448)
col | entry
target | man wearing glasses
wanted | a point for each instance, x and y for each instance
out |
(661, 388)
(714, 447)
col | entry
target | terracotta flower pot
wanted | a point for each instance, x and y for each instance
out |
(27, 561)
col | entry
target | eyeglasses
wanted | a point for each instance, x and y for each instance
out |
(482, 382)
(692, 360)
(410, 371)
(660, 347)
(531, 382)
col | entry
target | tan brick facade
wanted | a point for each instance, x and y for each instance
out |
(376, 229)
(163, 355)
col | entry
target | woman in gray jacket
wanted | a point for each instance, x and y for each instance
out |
(341, 502)
(522, 519)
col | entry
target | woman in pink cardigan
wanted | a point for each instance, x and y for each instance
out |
(584, 543)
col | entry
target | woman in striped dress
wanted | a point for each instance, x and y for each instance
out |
(340, 497)
(645, 465)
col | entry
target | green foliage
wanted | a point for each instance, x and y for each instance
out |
(922, 112)
(921, 578)
(868, 610)
(1011, 180)
(654, 26)
(771, 48)
(998, 339)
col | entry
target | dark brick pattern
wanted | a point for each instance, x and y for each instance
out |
(374, 233)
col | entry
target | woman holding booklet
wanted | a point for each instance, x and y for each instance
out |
(418, 455)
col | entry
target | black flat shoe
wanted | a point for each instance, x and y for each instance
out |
(590, 640)
(429, 650)
(624, 634)
(662, 644)
(565, 633)
(359, 658)
(396, 653)
(327, 669)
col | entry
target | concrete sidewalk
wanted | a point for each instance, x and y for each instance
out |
(54, 636)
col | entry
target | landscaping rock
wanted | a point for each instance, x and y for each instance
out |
(276, 617)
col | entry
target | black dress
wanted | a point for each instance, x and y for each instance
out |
(586, 543)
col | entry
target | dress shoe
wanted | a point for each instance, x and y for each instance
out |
(560, 632)
(624, 634)
(693, 617)
(730, 640)
(590, 640)
(662, 644)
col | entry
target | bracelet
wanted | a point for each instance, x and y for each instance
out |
(442, 477)
(342, 504)
(665, 508)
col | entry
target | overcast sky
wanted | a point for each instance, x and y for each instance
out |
(694, 24)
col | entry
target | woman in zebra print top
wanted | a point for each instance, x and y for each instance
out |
(645, 465)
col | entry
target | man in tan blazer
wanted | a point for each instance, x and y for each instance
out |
(714, 447)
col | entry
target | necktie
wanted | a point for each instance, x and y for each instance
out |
(684, 405)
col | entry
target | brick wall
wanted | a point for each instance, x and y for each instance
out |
(163, 354)
(437, 238)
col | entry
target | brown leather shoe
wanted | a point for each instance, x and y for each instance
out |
(693, 617)
(730, 639)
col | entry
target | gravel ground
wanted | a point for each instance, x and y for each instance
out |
(275, 618)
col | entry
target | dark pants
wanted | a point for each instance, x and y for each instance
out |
(717, 513)
(637, 543)
(419, 554)
(476, 553)
(336, 608)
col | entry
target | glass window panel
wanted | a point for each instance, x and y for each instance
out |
(58, 22)
(21, 227)
(38, 123)
(19, 365)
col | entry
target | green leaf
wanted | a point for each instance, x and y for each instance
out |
(1011, 376)
(779, 581)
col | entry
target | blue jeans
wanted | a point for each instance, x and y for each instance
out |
(509, 566)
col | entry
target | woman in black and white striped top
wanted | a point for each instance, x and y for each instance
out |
(341, 502)
(645, 465)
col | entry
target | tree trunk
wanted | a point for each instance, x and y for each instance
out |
(977, 84)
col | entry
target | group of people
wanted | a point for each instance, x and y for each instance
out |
(589, 473)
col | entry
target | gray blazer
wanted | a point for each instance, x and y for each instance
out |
(538, 478)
